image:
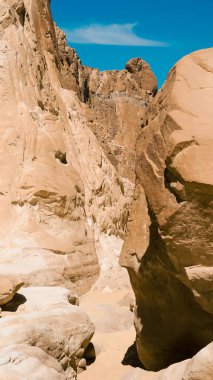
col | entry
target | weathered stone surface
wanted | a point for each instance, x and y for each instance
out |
(168, 248)
(44, 318)
(43, 226)
(21, 361)
(117, 102)
(200, 367)
(74, 76)
(68, 146)
(59, 192)
(38, 298)
(63, 190)
(9, 286)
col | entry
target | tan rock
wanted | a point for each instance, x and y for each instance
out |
(9, 286)
(38, 298)
(21, 361)
(117, 101)
(44, 318)
(200, 367)
(168, 247)
(58, 189)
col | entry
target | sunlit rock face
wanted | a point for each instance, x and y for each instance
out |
(68, 150)
(169, 241)
(59, 191)
(44, 230)
(116, 103)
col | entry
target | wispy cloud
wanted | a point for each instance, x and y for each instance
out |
(113, 34)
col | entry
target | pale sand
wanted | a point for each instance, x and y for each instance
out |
(111, 346)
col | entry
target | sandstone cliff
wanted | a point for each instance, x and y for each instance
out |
(70, 137)
(116, 102)
(59, 191)
(168, 247)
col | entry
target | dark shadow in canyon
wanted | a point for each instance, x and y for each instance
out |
(90, 354)
(175, 327)
(14, 304)
(131, 357)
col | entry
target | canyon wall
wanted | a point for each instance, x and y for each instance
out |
(168, 246)
(64, 198)
(78, 148)
(59, 191)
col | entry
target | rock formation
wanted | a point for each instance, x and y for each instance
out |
(65, 191)
(168, 247)
(44, 226)
(20, 361)
(70, 138)
(116, 103)
(44, 319)
(9, 286)
(200, 367)
(59, 192)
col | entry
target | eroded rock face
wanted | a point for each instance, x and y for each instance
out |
(9, 286)
(115, 102)
(22, 361)
(45, 319)
(44, 229)
(168, 247)
(59, 192)
(200, 367)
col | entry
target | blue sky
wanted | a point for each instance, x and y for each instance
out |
(107, 34)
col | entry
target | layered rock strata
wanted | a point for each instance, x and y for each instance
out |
(59, 192)
(168, 247)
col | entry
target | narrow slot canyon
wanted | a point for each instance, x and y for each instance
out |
(106, 199)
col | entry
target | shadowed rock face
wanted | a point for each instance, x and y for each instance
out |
(199, 367)
(168, 246)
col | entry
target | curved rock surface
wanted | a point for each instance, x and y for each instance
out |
(18, 362)
(9, 286)
(168, 247)
(46, 330)
(200, 367)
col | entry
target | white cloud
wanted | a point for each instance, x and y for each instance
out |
(114, 34)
